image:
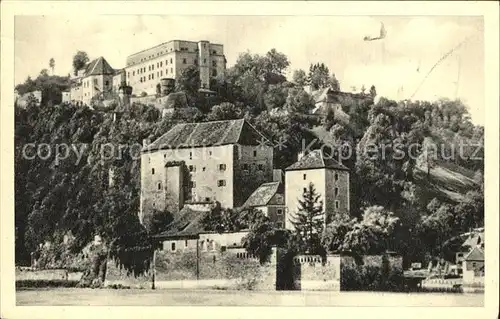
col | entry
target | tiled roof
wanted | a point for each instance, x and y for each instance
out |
(474, 240)
(189, 135)
(263, 195)
(476, 254)
(316, 159)
(187, 224)
(99, 66)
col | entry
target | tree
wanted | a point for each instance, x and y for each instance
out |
(373, 91)
(80, 60)
(276, 62)
(299, 77)
(336, 231)
(224, 111)
(363, 89)
(308, 221)
(262, 236)
(428, 156)
(334, 83)
(44, 73)
(160, 221)
(52, 64)
(189, 81)
(373, 234)
(298, 101)
(318, 76)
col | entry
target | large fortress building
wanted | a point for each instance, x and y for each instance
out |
(144, 69)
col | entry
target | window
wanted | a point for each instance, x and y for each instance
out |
(195, 62)
(214, 64)
(207, 199)
(190, 155)
(95, 80)
(245, 167)
(223, 248)
(214, 72)
(152, 171)
(279, 212)
(171, 70)
(183, 61)
(254, 153)
(154, 204)
(170, 60)
(305, 189)
(161, 63)
(166, 71)
(166, 62)
(304, 176)
(337, 204)
(336, 191)
(222, 167)
(153, 67)
(152, 76)
(161, 73)
(172, 247)
(336, 176)
(204, 61)
(159, 186)
(279, 224)
(261, 167)
(192, 168)
(106, 83)
(221, 182)
(185, 243)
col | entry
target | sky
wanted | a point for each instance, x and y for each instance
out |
(396, 65)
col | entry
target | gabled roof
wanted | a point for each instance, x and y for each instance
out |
(99, 66)
(316, 159)
(189, 135)
(476, 254)
(187, 224)
(264, 194)
(474, 240)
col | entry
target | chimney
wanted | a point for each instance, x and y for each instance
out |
(146, 142)
(300, 155)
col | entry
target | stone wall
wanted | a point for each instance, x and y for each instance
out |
(312, 273)
(116, 275)
(230, 268)
(25, 273)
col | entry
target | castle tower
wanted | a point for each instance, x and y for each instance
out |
(204, 63)
(124, 93)
(329, 177)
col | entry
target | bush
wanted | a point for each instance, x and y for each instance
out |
(370, 277)
(60, 283)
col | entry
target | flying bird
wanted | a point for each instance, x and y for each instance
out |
(382, 35)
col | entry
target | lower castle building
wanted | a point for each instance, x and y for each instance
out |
(196, 164)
